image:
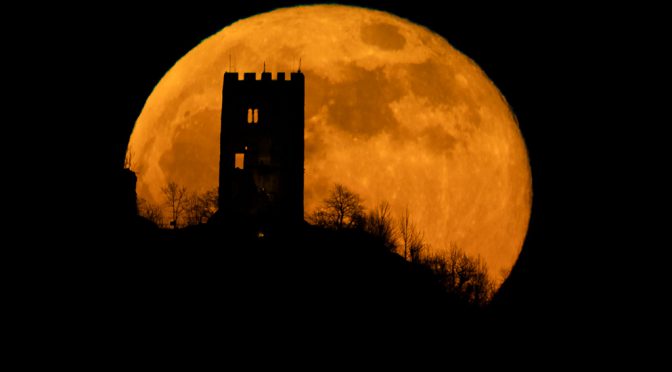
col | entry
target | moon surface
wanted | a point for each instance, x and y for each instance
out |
(393, 112)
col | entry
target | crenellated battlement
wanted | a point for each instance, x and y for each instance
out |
(263, 76)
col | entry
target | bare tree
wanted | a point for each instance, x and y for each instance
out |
(321, 217)
(379, 223)
(343, 209)
(175, 199)
(150, 211)
(412, 240)
(463, 277)
(199, 208)
(192, 209)
(405, 231)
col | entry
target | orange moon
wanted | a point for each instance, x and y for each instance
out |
(392, 111)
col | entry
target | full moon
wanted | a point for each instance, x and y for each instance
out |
(393, 112)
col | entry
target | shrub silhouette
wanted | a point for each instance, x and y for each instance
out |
(200, 207)
(150, 211)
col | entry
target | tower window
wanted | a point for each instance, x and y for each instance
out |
(252, 116)
(240, 161)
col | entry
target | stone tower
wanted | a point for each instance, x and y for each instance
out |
(261, 149)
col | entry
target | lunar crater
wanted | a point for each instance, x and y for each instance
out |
(383, 35)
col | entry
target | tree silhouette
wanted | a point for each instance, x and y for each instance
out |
(199, 208)
(175, 199)
(343, 209)
(412, 240)
(379, 223)
(150, 211)
(464, 278)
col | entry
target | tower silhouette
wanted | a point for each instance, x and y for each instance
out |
(261, 149)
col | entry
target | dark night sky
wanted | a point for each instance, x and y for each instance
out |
(537, 57)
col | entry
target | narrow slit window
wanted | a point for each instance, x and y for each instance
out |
(256, 116)
(240, 161)
(249, 116)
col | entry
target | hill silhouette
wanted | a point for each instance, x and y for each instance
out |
(316, 279)
(210, 279)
